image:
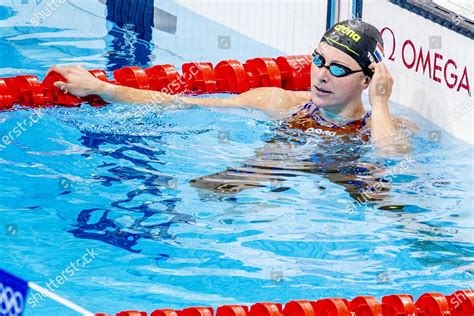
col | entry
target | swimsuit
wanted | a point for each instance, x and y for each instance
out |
(310, 119)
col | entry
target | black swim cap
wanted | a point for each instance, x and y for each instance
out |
(360, 40)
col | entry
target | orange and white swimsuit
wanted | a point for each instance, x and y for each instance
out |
(310, 119)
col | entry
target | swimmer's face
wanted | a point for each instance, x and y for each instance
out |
(340, 90)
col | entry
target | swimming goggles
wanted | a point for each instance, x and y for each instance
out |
(335, 69)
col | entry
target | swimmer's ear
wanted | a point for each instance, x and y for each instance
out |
(366, 82)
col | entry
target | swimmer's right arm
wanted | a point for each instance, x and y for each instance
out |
(277, 102)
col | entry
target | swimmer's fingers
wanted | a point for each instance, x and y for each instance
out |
(372, 67)
(57, 68)
(67, 71)
(380, 85)
(63, 86)
(381, 70)
(77, 80)
(64, 71)
(376, 67)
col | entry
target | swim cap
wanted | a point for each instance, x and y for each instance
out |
(358, 39)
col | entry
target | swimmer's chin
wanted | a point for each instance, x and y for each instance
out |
(320, 102)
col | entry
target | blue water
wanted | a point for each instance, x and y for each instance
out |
(115, 182)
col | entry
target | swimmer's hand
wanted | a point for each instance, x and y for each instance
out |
(380, 86)
(80, 82)
(386, 137)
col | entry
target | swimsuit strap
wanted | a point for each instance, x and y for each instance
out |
(365, 118)
(307, 107)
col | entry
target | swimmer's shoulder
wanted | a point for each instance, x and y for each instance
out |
(296, 101)
(302, 96)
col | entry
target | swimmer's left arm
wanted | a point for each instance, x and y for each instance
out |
(386, 130)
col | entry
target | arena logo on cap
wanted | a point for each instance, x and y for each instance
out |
(347, 31)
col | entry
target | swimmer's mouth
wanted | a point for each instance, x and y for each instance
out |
(322, 90)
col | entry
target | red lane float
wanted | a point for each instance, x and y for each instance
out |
(133, 77)
(263, 72)
(100, 74)
(53, 95)
(433, 304)
(295, 71)
(460, 303)
(298, 308)
(197, 311)
(266, 309)
(95, 100)
(231, 77)
(232, 310)
(365, 305)
(289, 72)
(164, 312)
(131, 313)
(164, 78)
(6, 97)
(331, 307)
(199, 78)
(401, 304)
(25, 90)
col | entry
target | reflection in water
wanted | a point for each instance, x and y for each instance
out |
(126, 49)
(146, 212)
(103, 224)
(288, 153)
(129, 38)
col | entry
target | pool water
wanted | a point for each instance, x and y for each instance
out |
(141, 207)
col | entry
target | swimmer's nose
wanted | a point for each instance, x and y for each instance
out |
(321, 74)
